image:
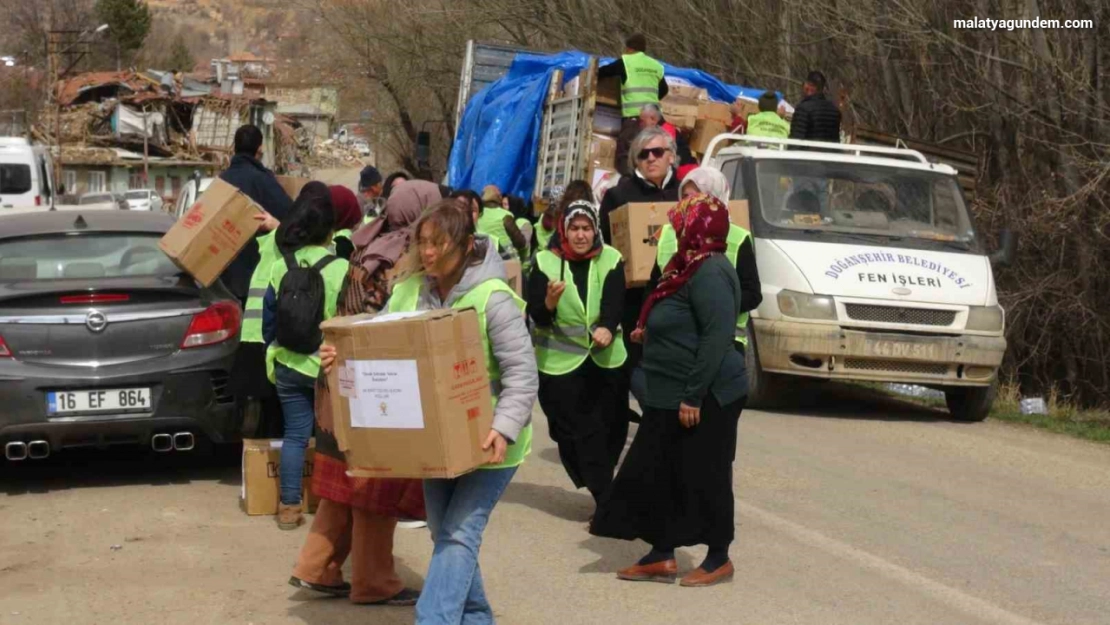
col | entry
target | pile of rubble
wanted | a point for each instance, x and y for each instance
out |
(329, 154)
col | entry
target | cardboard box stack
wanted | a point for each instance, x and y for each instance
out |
(636, 229)
(410, 393)
(211, 233)
(260, 491)
(603, 152)
(704, 132)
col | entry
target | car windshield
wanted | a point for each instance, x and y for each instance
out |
(138, 195)
(95, 255)
(15, 178)
(860, 199)
(99, 198)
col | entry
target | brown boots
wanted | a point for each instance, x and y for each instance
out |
(289, 517)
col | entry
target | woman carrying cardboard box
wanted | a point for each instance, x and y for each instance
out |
(357, 517)
(575, 300)
(461, 269)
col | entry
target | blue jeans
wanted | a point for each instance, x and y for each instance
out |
(458, 511)
(297, 393)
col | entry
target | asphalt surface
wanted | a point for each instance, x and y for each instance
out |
(850, 509)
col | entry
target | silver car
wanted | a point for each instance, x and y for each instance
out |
(103, 341)
(143, 200)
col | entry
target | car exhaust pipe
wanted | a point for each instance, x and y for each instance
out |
(37, 450)
(161, 443)
(184, 441)
(15, 451)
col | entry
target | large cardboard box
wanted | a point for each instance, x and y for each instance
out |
(680, 112)
(603, 152)
(687, 91)
(211, 233)
(715, 111)
(747, 107)
(704, 132)
(608, 91)
(293, 184)
(260, 490)
(636, 227)
(410, 393)
(515, 272)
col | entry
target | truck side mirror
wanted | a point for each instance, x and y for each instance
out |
(1007, 249)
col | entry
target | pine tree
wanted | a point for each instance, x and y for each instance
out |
(128, 22)
(180, 58)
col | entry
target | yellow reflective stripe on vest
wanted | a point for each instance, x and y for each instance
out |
(333, 275)
(251, 331)
(641, 85)
(565, 346)
(668, 247)
(405, 298)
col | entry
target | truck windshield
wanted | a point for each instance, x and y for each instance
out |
(857, 200)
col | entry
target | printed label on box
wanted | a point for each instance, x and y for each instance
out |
(387, 395)
(395, 316)
(347, 382)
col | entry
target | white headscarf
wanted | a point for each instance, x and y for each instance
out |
(710, 181)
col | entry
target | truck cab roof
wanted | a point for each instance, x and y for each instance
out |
(772, 148)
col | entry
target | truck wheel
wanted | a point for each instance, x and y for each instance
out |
(764, 389)
(970, 404)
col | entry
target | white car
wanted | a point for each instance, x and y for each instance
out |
(143, 200)
(362, 146)
(190, 191)
(25, 176)
(99, 201)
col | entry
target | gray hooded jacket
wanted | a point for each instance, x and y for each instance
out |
(508, 336)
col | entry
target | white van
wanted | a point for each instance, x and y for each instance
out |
(871, 269)
(26, 177)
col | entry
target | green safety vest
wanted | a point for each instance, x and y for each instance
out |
(333, 274)
(768, 124)
(526, 260)
(543, 235)
(492, 224)
(642, 84)
(368, 219)
(668, 247)
(405, 297)
(563, 347)
(256, 294)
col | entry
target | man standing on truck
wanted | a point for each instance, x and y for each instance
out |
(642, 83)
(767, 122)
(816, 118)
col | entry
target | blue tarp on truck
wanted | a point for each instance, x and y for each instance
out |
(497, 140)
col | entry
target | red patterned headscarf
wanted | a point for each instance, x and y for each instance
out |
(701, 224)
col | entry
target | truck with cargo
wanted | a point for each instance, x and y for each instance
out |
(872, 269)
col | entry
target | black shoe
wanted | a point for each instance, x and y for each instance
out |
(342, 590)
(406, 597)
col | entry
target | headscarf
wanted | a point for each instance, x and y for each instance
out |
(710, 181)
(382, 242)
(560, 243)
(701, 224)
(348, 213)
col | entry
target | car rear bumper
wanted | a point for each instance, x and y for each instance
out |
(194, 399)
(832, 352)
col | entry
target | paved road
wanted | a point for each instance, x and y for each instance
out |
(850, 510)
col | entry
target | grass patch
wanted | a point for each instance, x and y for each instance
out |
(1063, 417)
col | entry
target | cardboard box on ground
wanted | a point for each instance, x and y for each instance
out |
(260, 492)
(293, 185)
(211, 233)
(636, 228)
(410, 393)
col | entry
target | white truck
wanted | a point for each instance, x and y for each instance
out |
(871, 270)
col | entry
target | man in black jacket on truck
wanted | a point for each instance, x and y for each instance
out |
(816, 118)
(249, 175)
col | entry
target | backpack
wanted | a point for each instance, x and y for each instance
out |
(300, 305)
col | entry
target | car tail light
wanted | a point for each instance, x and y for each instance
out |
(4, 351)
(218, 323)
(95, 298)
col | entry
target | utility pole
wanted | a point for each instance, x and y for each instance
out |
(64, 50)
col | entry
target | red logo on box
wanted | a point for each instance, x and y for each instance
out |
(473, 413)
(464, 368)
(231, 229)
(194, 216)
